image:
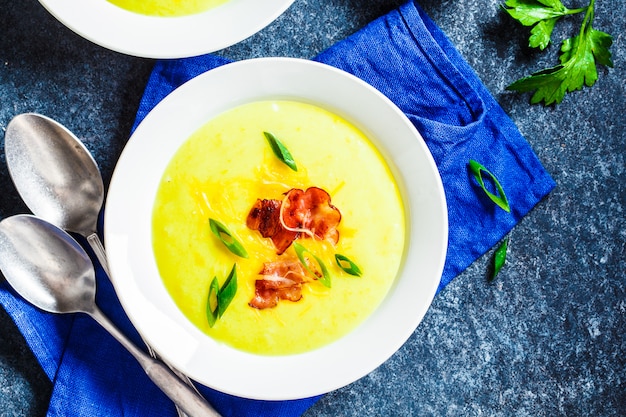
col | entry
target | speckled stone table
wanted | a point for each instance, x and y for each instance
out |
(545, 339)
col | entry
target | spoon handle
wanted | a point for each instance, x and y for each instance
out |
(98, 248)
(193, 404)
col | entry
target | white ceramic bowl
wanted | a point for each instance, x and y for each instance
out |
(128, 229)
(165, 37)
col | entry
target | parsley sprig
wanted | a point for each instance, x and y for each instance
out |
(579, 54)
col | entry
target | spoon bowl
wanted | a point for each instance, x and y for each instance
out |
(54, 173)
(49, 269)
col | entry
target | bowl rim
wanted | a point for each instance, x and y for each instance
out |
(292, 376)
(117, 29)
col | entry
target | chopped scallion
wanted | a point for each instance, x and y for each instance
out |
(228, 291)
(227, 238)
(300, 251)
(499, 258)
(280, 151)
(347, 265)
(500, 199)
(219, 299)
(212, 305)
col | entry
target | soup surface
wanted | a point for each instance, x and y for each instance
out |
(221, 171)
(167, 7)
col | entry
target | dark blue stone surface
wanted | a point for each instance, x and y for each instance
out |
(545, 339)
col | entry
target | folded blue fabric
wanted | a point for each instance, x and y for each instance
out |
(406, 57)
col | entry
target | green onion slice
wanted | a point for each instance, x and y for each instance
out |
(500, 199)
(280, 151)
(219, 299)
(212, 300)
(227, 292)
(499, 258)
(347, 265)
(300, 251)
(227, 238)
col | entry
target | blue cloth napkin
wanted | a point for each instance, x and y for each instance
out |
(407, 57)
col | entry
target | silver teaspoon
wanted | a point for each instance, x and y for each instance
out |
(49, 269)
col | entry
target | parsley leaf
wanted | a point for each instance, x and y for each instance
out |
(579, 56)
(542, 13)
(540, 34)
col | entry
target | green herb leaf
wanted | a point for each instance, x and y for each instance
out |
(530, 12)
(227, 238)
(477, 169)
(212, 305)
(499, 258)
(228, 291)
(300, 251)
(219, 299)
(540, 34)
(543, 14)
(347, 265)
(579, 57)
(280, 151)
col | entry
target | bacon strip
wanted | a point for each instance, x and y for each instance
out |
(282, 280)
(301, 212)
(311, 210)
(265, 217)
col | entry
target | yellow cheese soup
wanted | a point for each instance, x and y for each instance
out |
(167, 7)
(221, 171)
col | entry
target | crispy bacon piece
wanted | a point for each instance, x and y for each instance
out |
(301, 212)
(282, 280)
(265, 217)
(311, 213)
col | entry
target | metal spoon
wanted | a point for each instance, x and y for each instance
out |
(48, 268)
(56, 176)
(58, 179)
